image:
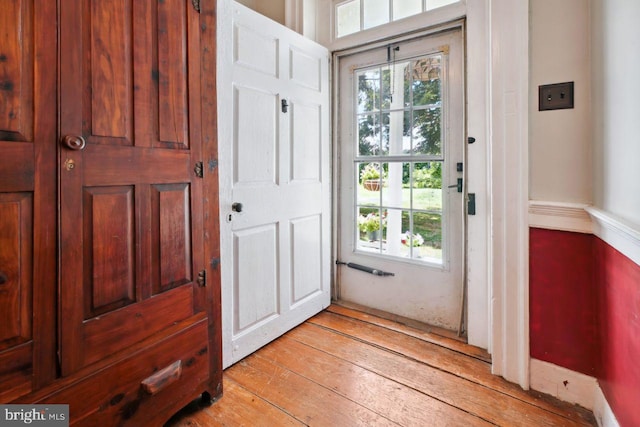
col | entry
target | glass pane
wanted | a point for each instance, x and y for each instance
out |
(369, 232)
(395, 221)
(426, 132)
(369, 184)
(426, 240)
(404, 8)
(368, 90)
(396, 192)
(369, 134)
(434, 4)
(394, 85)
(376, 12)
(425, 81)
(426, 189)
(348, 18)
(396, 133)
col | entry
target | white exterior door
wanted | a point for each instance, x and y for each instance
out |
(402, 187)
(275, 190)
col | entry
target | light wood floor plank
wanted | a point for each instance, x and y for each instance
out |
(400, 403)
(467, 395)
(348, 368)
(305, 400)
(442, 358)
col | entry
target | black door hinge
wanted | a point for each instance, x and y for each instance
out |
(199, 170)
(471, 204)
(196, 5)
(202, 278)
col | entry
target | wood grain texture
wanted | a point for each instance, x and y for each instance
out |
(347, 369)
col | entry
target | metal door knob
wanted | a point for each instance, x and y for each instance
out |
(73, 142)
(236, 207)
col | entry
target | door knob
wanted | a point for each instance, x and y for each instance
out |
(236, 207)
(73, 142)
(457, 186)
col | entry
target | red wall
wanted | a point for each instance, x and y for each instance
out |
(562, 300)
(618, 280)
(585, 313)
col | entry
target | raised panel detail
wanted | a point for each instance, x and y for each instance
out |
(256, 51)
(16, 71)
(172, 72)
(172, 231)
(111, 69)
(305, 142)
(304, 69)
(256, 136)
(109, 246)
(255, 251)
(16, 213)
(306, 257)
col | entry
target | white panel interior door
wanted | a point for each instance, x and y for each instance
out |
(275, 189)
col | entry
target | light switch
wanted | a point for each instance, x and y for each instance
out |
(555, 96)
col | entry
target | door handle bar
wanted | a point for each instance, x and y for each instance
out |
(366, 269)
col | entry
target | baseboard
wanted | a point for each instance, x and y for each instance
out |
(620, 234)
(602, 411)
(560, 216)
(565, 384)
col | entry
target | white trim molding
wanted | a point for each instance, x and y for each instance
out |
(508, 29)
(602, 411)
(565, 384)
(619, 233)
(560, 216)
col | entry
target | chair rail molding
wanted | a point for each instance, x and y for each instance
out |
(622, 235)
(560, 216)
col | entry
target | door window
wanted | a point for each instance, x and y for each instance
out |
(400, 158)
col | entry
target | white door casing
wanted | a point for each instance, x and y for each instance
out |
(423, 288)
(274, 160)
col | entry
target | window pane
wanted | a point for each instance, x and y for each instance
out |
(395, 221)
(376, 12)
(369, 183)
(425, 81)
(426, 240)
(369, 134)
(404, 8)
(434, 4)
(426, 187)
(396, 133)
(426, 132)
(369, 234)
(368, 90)
(395, 190)
(348, 18)
(394, 84)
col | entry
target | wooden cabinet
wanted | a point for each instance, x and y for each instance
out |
(109, 281)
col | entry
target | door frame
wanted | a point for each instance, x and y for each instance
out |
(497, 116)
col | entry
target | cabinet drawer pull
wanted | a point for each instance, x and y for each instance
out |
(156, 382)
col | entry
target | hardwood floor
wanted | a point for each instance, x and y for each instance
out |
(347, 368)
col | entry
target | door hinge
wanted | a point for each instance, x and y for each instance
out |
(196, 5)
(285, 105)
(199, 170)
(202, 278)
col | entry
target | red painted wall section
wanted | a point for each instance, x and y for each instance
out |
(562, 300)
(618, 280)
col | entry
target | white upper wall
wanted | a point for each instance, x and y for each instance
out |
(272, 9)
(616, 106)
(560, 140)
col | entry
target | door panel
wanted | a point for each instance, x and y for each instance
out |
(27, 195)
(132, 261)
(274, 98)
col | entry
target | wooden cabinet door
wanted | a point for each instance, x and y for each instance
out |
(27, 195)
(131, 203)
